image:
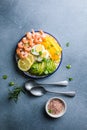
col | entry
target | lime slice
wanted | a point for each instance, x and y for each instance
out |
(24, 64)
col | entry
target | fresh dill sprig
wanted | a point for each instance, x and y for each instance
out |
(14, 94)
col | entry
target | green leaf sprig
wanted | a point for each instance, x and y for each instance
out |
(14, 94)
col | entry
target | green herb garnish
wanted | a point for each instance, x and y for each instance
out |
(68, 66)
(4, 76)
(46, 72)
(56, 53)
(70, 79)
(67, 44)
(44, 59)
(32, 50)
(48, 47)
(14, 94)
(40, 52)
(51, 45)
(49, 110)
(11, 83)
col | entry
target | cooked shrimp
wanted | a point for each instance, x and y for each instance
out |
(37, 36)
(41, 32)
(24, 54)
(32, 44)
(33, 32)
(27, 48)
(40, 40)
(28, 35)
(43, 35)
(25, 40)
(18, 51)
(20, 44)
(37, 41)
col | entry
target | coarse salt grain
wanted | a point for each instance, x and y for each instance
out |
(55, 106)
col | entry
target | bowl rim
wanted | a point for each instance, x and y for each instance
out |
(44, 76)
(60, 114)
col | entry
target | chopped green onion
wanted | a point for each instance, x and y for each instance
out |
(70, 79)
(50, 111)
(56, 53)
(46, 72)
(51, 45)
(48, 47)
(68, 66)
(32, 50)
(44, 59)
(4, 76)
(67, 44)
(11, 84)
(40, 52)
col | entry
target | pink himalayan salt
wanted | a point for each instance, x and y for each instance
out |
(55, 106)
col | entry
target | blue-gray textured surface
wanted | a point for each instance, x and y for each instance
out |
(67, 21)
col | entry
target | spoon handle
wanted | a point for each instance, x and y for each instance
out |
(70, 93)
(61, 83)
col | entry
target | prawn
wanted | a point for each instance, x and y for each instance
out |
(37, 40)
(28, 35)
(24, 40)
(18, 51)
(27, 48)
(20, 44)
(32, 44)
(43, 35)
(33, 34)
(41, 32)
(23, 54)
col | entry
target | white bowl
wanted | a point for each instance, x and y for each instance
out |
(60, 113)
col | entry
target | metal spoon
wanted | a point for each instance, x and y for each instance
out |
(32, 83)
(40, 91)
